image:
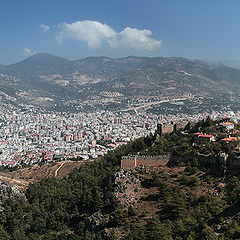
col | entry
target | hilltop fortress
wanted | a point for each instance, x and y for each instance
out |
(220, 161)
(164, 128)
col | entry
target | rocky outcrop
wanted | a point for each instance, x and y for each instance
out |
(98, 220)
(6, 191)
(127, 188)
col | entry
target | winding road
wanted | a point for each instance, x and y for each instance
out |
(56, 172)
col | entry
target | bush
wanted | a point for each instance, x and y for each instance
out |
(131, 211)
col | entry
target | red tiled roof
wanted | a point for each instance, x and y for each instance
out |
(230, 139)
(198, 133)
(225, 117)
(228, 123)
(206, 136)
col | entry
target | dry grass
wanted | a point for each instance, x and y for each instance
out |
(23, 177)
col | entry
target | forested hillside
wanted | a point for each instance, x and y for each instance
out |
(185, 201)
(59, 208)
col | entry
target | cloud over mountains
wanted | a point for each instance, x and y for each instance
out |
(96, 33)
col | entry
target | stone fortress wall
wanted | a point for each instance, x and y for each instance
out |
(131, 162)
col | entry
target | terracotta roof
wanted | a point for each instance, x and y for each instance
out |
(230, 139)
(236, 131)
(228, 123)
(206, 136)
(198, 133)
(226, 117)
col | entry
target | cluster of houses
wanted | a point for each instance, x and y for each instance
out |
(226, 127)
(199, 138)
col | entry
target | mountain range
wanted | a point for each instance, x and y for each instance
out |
(47, 80)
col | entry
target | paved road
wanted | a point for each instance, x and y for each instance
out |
(152, 103)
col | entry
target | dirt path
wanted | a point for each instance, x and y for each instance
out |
(56, 172)
(14, 181)
(149, 79)
(25, 176)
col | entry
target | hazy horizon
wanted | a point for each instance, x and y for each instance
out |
(121, 57)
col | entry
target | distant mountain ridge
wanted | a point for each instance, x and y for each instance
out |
(41, 63)
(45, 78)
(231, 63)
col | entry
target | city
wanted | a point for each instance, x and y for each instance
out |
(31, 137)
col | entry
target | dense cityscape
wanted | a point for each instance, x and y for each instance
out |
(27, 138)
(32, 136)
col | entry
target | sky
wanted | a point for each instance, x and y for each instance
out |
(205, 29)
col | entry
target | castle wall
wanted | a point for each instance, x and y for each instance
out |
(131, 162)
(128, 163)
(141, 162)
(152, 160)
(234, 162)
(181, 125)
(163, 129)
(207, 159)
(167, 129)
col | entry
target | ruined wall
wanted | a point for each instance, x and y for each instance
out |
(125, 187)
(163, 129)
(131, 162)
(152, 160)
(128, 163)
(181, 125)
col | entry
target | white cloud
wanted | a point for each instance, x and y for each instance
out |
(28, 52)
(134, 38)
(96, 33)
(45, 28)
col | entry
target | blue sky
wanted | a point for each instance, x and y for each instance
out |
(74, 29)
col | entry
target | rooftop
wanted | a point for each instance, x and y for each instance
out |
(206, 136)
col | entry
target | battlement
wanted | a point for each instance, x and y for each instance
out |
(131, 162)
